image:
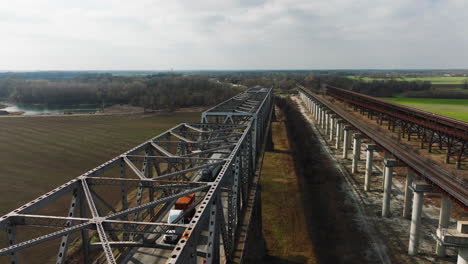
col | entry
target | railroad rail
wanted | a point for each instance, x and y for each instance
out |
(449, 133)
(122, 205)
(442, 179)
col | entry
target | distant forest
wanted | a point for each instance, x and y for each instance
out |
(287, 81)
(161, 91)
(171, 91)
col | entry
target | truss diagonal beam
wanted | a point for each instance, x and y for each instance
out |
(161, 149)
(188, 170)
(41, 239)
(134, 168)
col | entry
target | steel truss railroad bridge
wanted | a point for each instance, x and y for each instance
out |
(408, 119)
(122, 204)
(430, 129)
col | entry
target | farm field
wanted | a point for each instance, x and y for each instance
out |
(454, 108)
(433, 80)
(39, 153)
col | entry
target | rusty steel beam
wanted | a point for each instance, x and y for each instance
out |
(442, 124)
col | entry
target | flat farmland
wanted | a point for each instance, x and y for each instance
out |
(454, 108)
(39, 153)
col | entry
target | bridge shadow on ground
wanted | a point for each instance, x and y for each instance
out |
(331, 218)
(290, 260)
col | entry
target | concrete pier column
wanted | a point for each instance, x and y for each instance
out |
(444, 220)
(356, 151)
(332, 126)
(346, 138)
(462, 228)
(388, 165)
(317, 115)
(369, 165)
(316, 112)
(418, 188)
(322, 118)
(408, 194)
(457, 237)
(339, 124)
(415, 223)
(385, 157)
(326, 122)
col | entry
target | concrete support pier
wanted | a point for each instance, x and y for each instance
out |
(415, 223)
(322, 118)
(385, 157)
(332, 126)
(339, 132)
(418, 188)
(462, 228)
(356, 151)
(388, 165)
(314, 112)
(319, 116)
(317, 112)
(456, 238)
(369, 165)
(444, 221)
(346, 138)
(408, 194)
(327, 121)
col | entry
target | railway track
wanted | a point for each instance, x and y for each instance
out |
(447, 182)
(443, 124)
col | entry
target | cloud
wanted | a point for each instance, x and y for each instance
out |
(209, 34)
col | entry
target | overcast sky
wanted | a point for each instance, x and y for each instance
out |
(225, 34)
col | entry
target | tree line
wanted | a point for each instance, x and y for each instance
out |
(286, 81)
(162, 91)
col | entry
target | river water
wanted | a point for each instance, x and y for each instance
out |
(51, 110)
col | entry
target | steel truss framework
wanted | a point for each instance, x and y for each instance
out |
(121, 204)
(449, 134)
(455, 187)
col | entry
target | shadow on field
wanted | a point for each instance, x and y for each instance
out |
(290, 260)
(330, 217)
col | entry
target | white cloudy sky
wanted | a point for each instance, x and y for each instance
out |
(226, 34)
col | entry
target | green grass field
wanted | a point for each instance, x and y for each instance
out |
(40, 153)
(454, 108)
(433, 80)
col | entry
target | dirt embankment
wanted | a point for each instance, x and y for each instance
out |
(330, 219)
